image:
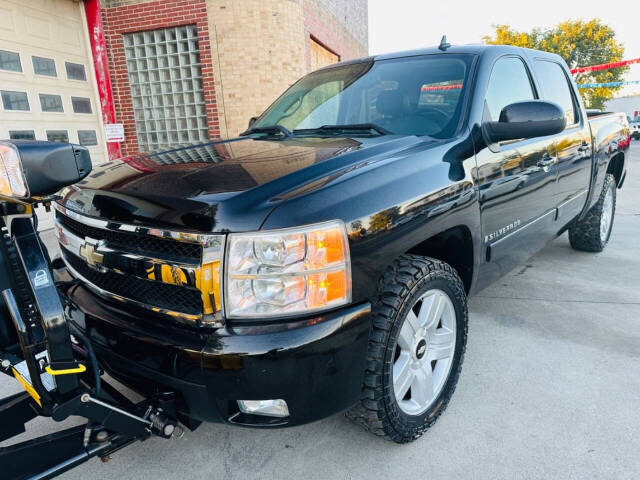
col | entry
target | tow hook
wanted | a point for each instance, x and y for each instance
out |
(156, 420)
(165, 427)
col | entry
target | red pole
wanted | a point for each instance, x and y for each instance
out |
(99, 53)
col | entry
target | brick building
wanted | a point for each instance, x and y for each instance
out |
(185, 71)
(173, 72)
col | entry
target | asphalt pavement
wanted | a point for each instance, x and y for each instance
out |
(550, 388)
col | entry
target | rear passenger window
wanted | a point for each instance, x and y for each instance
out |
(556, 88)
(509, 83)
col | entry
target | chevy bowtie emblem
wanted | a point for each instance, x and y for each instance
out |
(88, 252)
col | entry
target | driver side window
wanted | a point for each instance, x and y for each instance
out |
(509, 83)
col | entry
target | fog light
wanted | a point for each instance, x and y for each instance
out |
(268, 408)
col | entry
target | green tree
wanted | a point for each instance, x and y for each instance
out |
(356, 225)
(581, 43)
(384, 219)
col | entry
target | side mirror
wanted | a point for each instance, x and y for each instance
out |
(530, 119)
(252, 120)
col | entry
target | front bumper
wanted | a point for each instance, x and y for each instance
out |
(316, 364)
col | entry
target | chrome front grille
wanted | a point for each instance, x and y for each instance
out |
(170, 273)
(158, 247)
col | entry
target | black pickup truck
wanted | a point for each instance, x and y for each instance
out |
(322, 261)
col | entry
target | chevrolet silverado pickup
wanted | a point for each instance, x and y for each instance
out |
(321, 261)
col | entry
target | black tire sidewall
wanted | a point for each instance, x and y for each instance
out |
(584, 234)
(403, 421)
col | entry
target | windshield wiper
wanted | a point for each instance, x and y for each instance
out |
(269, 130)
(358, 128)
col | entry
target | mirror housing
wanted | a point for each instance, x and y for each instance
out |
(43, 167)
(252, 120)
(529, 119)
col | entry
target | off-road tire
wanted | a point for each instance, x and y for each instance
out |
(585, 235)
(401, 284)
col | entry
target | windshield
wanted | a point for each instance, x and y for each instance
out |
(409, 96)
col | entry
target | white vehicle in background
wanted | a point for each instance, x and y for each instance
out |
(634, 128)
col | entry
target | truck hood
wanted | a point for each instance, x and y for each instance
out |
(222, 186)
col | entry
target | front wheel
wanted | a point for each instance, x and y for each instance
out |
(416, 348)
(592, 233)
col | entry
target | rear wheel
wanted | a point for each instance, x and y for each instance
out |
(416, 348)
(592, 233)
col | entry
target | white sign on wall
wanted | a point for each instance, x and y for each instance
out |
(114, 132)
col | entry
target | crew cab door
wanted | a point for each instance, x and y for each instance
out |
(516, 179)
(573, 146)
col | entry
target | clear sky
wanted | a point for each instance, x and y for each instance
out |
(406, 24)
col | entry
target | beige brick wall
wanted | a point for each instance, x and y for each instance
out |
(334, 30)
(353, 15)
(258, 51)
(260, 47)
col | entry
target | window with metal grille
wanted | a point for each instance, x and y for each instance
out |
(75, 71)
(15, 100)
(87, 137)
(44, 66)
(57, 136)
(166, 87)
(22, 135)
(81, 105)
(51, 103)
(10, 61)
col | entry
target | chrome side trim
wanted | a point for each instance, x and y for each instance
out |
(574, 198)
(523, 228)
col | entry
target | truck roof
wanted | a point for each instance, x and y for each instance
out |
(474, 49)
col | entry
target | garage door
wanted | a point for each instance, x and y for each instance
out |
(47, 86)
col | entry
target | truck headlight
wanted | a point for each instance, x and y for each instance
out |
(12, 181)
(287, 272)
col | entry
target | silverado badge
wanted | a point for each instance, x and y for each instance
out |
(502, 231)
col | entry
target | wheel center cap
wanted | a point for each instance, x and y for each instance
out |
(421, 349)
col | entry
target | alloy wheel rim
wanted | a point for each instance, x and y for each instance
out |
(424, 352)
(607, 215)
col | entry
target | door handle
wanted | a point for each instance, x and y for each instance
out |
(546, 161)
